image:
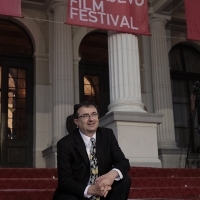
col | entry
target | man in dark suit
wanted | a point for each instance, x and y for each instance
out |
(73, 153)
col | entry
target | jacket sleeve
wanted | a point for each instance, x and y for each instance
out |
(109, 153)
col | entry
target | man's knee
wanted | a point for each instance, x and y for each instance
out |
(126, 181)
(120, 189)
(129, 179)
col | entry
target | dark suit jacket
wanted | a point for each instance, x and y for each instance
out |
(73, 162)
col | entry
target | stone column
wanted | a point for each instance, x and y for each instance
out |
(162, 84)
(124, 72)
(63, 87)
(134, 128)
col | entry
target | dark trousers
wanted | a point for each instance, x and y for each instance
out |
(120, 191)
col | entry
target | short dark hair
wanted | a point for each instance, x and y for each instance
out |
(83, 104)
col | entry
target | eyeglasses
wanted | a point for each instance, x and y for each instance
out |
(87, 116)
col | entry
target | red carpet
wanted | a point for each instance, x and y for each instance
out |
(147, 183)
(27, 184)
(156, 183)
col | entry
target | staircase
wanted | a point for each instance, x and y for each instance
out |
(147, 183)
(27, 184)
(162, 183)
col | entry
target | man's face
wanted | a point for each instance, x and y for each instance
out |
(89, 121)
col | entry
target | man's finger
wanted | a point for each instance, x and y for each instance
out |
(106, 190)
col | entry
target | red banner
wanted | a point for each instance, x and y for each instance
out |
(10, 8)
(118, 15)
(192, 11)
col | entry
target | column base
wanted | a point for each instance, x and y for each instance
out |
(50, 156)
(145, 162)
(173, 158)
(167, 145)
(126, 105)
(137, 136)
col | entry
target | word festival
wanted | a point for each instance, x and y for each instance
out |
(107, 13)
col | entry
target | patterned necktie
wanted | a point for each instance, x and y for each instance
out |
(93, 166)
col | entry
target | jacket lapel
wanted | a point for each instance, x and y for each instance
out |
(99, 150)
(80, 145)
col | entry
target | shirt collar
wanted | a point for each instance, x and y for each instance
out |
(86, 139)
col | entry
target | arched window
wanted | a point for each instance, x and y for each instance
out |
(185, 72)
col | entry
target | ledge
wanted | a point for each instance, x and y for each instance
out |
(126, 116)
(49, 151)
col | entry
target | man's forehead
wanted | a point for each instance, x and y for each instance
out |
(88, 108)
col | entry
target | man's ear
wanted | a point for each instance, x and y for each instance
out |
(75, 121)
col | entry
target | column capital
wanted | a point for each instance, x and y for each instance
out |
(110, 33)
(60, 1)
(157, 22)
(59, 5)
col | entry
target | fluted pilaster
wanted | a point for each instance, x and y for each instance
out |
(162, 83)
(124, 71)
(63, 71)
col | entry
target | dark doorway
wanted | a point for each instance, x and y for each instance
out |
(93, 70)
(185, 71)
(94, 85)
(16, 96)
